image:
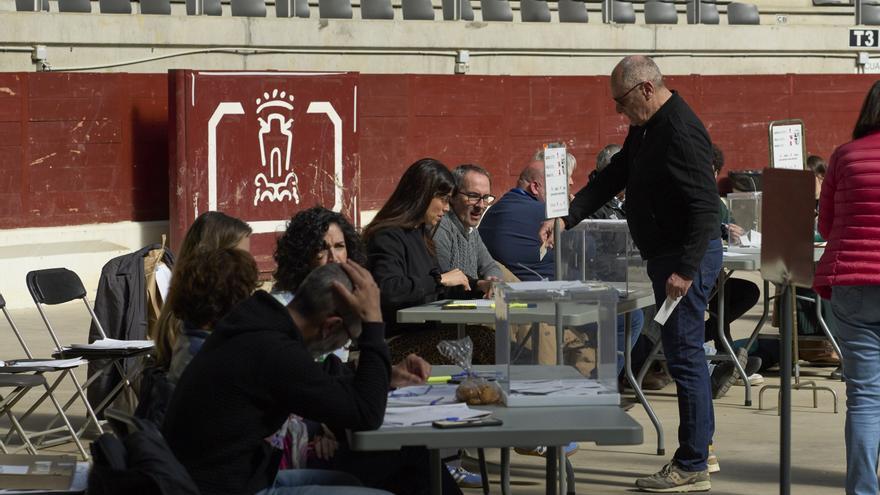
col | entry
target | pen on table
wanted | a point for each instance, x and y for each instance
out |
(436, 401)
(438, 379)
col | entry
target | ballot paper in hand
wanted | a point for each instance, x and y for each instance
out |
(668, 306)
(398, 417)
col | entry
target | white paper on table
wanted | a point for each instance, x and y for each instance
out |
(751, 238)
(554, 387)
(734, 254)
(397, 417)
(104, 344)
(55, 363)
(663, 313)
(553, 286)
(471, 303)
(422, 395)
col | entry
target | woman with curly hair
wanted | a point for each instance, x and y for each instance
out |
(203, 291)
(314, 237)
(210, 231)
(403, 261)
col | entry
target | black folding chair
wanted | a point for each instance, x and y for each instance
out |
(22, 378)
(58, 286)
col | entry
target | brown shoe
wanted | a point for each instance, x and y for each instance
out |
(656, 380)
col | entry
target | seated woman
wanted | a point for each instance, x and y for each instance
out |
(400, 250)
(314, 237)
(210, 231)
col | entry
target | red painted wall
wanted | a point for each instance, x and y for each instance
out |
(84, 148)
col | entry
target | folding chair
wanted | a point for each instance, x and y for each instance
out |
(23, 378)
(58, 286)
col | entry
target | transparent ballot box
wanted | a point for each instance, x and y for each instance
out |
(603, 250)
(745, 211)
(526, 336)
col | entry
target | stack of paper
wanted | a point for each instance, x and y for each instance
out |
(555, 387)
(114, 344)
(397, 417)
(422, 395)
(54, 363)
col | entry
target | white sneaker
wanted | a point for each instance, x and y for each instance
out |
(754, 379)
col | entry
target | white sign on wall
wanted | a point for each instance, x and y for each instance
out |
(555, 181)
(787, 149)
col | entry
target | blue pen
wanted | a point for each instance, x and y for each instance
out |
(432, 420)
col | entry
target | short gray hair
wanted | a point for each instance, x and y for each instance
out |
(639, 68)
(460, 171)
(316, 298)
(604, 156)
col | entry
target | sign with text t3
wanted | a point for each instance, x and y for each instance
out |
(863, 38)
(555, 181)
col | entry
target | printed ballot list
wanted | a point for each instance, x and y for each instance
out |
(788, 145)
(555, 181)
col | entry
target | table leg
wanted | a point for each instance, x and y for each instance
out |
(505, 471)
(764, 314)
(722, 281)
(434, 467)
(824, 325)
(551, 477)
(461, 327)
(636, 384)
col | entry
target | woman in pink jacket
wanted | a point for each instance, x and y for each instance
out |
(849, 273)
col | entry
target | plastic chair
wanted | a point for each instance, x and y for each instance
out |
(870, 14)
(156, 7)
(209, 7)
(622, 12)
(300, 8)
(248, 8)
(377, 9)
(496, 10)
(660, 12)
(573, 11)
(417, 10)
(58, 286)
(22, 378)
(334, 9)
(742, 13)
(534, 11)
(114, 6)
(466, 14)
(84, 6)
(31, 5)
(708, 13)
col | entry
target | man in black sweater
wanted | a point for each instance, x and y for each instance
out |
(672, 211)
(258, 366)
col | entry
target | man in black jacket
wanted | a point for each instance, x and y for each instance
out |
(672, 212)
(258, 366)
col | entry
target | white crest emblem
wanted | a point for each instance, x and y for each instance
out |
(276, 142)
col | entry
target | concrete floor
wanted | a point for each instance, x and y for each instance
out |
(746, 439)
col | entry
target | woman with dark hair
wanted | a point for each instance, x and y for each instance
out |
(313, 238)
(849, 274)
(403, 261)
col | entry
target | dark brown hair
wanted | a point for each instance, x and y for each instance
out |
(869, 117)
(423, 181)
(210, 285)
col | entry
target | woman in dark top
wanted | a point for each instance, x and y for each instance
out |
(401, 256)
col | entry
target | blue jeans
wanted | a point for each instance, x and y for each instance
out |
(858, 327)
(637, 321)
(683, 336)
(317, 482)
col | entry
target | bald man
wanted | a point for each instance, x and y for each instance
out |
(665, 166)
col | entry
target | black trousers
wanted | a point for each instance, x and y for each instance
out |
(739, 296)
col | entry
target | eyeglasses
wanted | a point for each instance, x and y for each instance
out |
(619, 99)
(474, 198)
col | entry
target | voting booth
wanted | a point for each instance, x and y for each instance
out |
(586, 374)
(603, 250)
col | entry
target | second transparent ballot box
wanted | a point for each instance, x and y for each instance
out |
(603, 250)
(745, 213)
(526, 336)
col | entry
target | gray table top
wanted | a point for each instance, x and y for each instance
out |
(604, 425)
(574, 314)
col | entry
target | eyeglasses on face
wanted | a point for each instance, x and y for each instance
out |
(474, 198)
(620, 99)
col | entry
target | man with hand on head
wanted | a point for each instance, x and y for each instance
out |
(258, 367)
(665, 166)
